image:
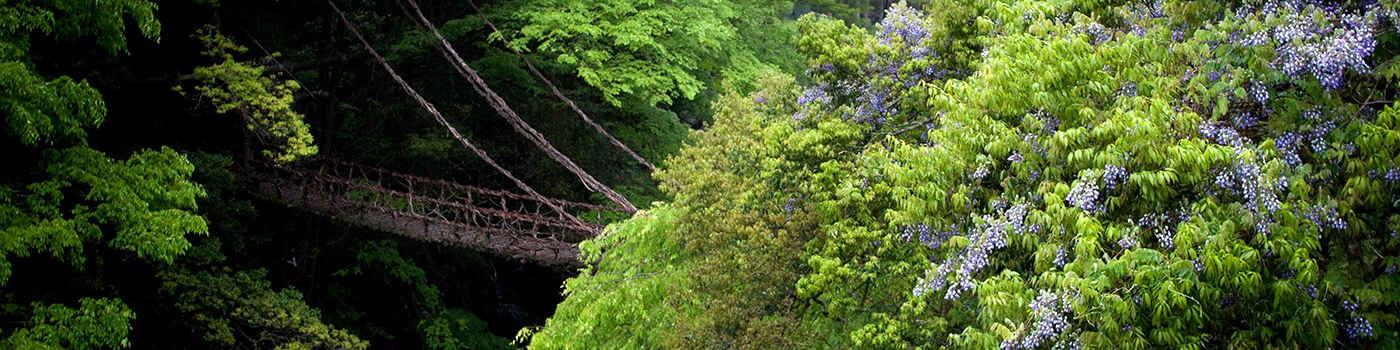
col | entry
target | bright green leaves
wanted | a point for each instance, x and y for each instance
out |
(42, 112)
(824, 40)
(717, 265)
(72, 19)
(97, 324)
(621, 302)
(649, 51)
(1159, 249)
(1141, 175)
(459, 329)
(148, 200)
(231, 308)
(263, 101)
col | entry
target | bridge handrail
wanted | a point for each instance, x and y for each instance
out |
(536, 218)
(453, 185)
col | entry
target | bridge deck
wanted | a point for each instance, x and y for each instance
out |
(498, 222)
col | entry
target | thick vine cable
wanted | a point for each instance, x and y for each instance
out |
(554, 89)
(520, 126)
(436, 115)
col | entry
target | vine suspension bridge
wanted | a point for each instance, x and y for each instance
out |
(503, 223)
(525, 226)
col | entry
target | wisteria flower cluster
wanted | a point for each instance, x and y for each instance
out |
(1221, 133)
(875, 90)
(1061, 257)
(925, 235)
(1324, 50)
(1128, 241)
(1084, 195)
(1359, 327)
(985, 237)
(982, 171)
(1163, 225)
(907, 24)
(1016, 217)
(1140, 17)
(1391, 176)
(1114, 175)
(1324, 217)
(1050, 320)
(1096, 32)
(1318, 125)
(1245, 178)
(813, 97)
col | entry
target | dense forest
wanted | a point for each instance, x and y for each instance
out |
(932, 174)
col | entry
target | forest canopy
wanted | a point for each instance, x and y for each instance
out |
(1026, 175)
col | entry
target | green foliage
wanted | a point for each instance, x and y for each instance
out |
(848, 11)
(621, 301)
(653, 51)
(656, 136)
(1059, 180)
(97, 324)
(441, 327)
(43, 111)
(716, 266)
(459, 329)
(741, 219)
(73, 19)
(262, 100)
(39, 110)
(76, 196)
(147, 200)
(241, 310)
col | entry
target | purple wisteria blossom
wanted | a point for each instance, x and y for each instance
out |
(1084, 195)
(954, 275)
(1114, 175)
(1163, 225)
(1324, 50)
(1050, 318)
(874, 90)
(1260, 192)
(1358, 327)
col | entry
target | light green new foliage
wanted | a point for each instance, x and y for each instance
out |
(716, 266)
(148, 199)
(619, 301)
(651, 51)
(1028, 174)
(40, 111)
(72, 19)
(263, 101)
(1168, 256)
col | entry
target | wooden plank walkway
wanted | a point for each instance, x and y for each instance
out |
(502, 223)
